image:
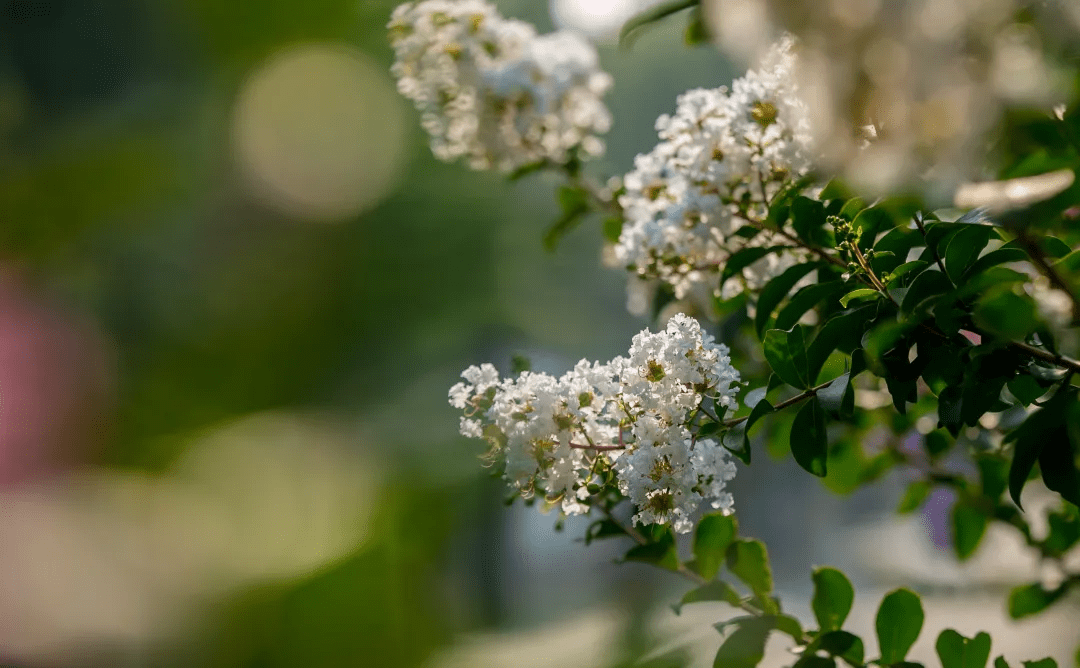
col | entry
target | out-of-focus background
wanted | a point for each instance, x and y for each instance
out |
(234, 289)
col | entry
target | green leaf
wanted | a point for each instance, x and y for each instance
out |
(1026, 389)
(805, 299)
(603, 529)
(745, 257)
(574, 201)
(660, 553)
(964, 247)
(1002, 312)
(714, 533)
(914, 496)
(1064, 531)
(927, 285)
(786, 354)
(748, 561)
(652, 15)
(613, 228)
(847, 646)
(789, 625)
(697, 31)
(832, 397)
(809, 443)
(1041, 663)
(858, 294)
(956, 651)
(814, 661)
(775, 290)
(717, 590)
(741, 434)
(992, 259)
(1030, 599)
(899, 621)
(519, 364)
(745, 647)
(1000, 662)
(968, 525)
(833, 596)
(1046, 426)
(842, 332)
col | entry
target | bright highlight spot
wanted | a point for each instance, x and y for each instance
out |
(318, 132)
(598, 19)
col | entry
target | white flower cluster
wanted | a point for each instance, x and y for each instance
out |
(702, 192)
(493, 92)
(632, 416)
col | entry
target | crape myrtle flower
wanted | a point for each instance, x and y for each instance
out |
(492, 92)
(702, 193)
(633, 417)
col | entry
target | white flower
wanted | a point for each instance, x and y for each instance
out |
(632, 415)
(494, 93)
(723, 156)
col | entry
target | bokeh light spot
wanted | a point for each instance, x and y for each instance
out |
(318, 132)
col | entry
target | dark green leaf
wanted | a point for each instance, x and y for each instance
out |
(833, 596)
(1000, 662)
(738, 440)
(714, 533)
(899, 621)
(775, 290)
(805, 299)
(1026, 389)
(927, 285)
(964, 247)
(748, 561)
(809, 443)
(1002, 312)
(842, 332)
(956, 651)
(814, 661)
(1041, 663)
(845, 645)
(968, 525)
(832, 397)
(1044, 426)
(603, 529)
(745, 257)
(786, 354)
(994, 258)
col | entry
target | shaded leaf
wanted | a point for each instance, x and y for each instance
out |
(809, 443)
(714, 533)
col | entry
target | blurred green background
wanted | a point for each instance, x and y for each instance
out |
(226, 251)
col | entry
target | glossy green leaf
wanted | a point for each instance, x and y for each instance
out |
(776, 290)
(809, 443)
(964, 247)
(786, 354)
(661, 553)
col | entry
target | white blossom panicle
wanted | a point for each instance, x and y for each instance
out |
(491, 91)
(633, 415)
(703, 191)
